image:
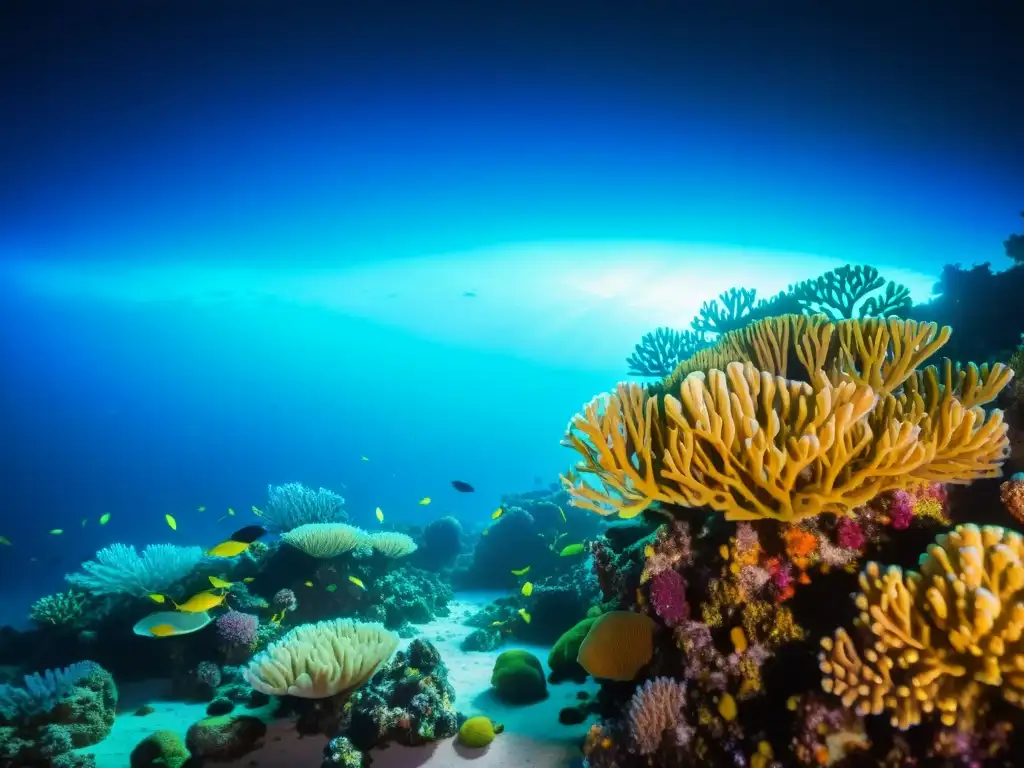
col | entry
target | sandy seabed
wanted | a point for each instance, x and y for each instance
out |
(533, 737)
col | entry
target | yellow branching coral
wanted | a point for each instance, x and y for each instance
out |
(753, 445)
(936, 640)
(748, 442)
(880, 353)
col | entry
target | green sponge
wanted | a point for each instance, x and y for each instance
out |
(562, 658)
(478, 732)
(518, 678)
(161, 748)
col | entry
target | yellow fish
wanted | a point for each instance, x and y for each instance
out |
(104, 518)
(57, 531)
(364, 458)
(231, 512)
(648, 551)
(257, 511)
(308, 583)
(526, 616)
(200, 509)
(162, 630)
(219, 583)
(5, 541)
(497, 623)
(201, 602)
(497, 513)
(380, 515)
(276, 618)
(228, 548)
(562, 513)
(572, 549)
(357, 582)
(157, 598)
(249, 579)
(171, 522)
(527, 589)
(522, 571)
(424, 501)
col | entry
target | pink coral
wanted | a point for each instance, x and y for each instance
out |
(656, 709)
(668, 596)
(237, 628)
(901, 510)
(849, 534)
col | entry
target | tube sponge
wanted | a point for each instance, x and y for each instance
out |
(314, 661)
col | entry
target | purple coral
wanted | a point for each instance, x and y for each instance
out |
(849, 534)
(901, 510)
(237, 628)
(285, 600)
(655, 708)
(668, 597)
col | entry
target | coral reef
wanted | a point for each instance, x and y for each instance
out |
(54, 713)
(293, 504)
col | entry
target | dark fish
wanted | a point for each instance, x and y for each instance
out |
(249, 534)
(469, 294)
(462, 487)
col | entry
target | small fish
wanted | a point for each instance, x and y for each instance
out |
(526, 616)
(331, 587)
(522, 571)
(162, 630)
(157, 598)
(228, 548)
(497, 623)
(380, 515)
(84, 521)
(562, 513)
(201, 602)
(57, 531)
(572, 549)
(104, 518)
(276, 618)
(469, 294)
(248, 579)
(649, 551)
(424, 501)
(527, 589)
(486, 531)
(462, 487)
(231, 512)
(497, 513)
(257, 511)
(358, 582)
(220, 583)
(5, 541)
(364, 458)
(308, 583)
(200, 509)
(171, 522)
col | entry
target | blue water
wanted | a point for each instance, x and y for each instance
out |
(230, 258)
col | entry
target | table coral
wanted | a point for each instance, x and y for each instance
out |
(939, 640)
